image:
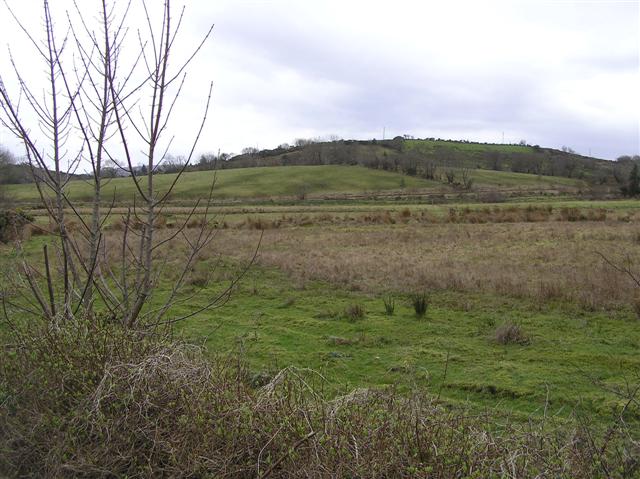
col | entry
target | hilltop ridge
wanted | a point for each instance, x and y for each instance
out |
(429, 158)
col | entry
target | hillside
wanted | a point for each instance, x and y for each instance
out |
(431, 158)
(302, 182)
(440, 161)
(15, 174)
(291, 181)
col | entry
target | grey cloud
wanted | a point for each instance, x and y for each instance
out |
(323, 67)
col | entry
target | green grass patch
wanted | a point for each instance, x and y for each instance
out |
(266, 182)
(427, 146)
(566, 352)
(297, 182)
(515, 180)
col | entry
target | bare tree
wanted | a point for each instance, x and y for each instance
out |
(450, 175)
(430, 170)
(467, 180)
(116, 101)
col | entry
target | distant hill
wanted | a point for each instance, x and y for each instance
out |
(15, 174)
(432, 158)
(398, 164)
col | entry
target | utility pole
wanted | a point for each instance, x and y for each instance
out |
(384, 128)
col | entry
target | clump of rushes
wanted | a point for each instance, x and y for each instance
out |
(420, 303)
(389, 304)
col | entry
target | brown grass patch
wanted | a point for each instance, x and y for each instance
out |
(510, 333)
(540, 260)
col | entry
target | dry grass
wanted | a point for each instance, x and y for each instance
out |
(354, 312)
(546, 261)
(510, 333)
(476, 215)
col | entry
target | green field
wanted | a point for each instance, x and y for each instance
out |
(246, 183)
(521, 180)
(293, 182)
(275, 323)
(429, 146)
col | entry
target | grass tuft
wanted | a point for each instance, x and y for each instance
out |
(354, 312)
(389, 304)
(510, 333)
(420, 302)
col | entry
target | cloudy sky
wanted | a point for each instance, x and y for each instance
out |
(551, 72)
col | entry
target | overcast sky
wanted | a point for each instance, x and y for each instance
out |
(551, 72)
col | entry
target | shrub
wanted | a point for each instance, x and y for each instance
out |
(550, 290)
(261, 223)
(571, 214)
(12, 223)
(354, 312)
(493, 197)
(389, 305)
(510, 333)
(420, 303)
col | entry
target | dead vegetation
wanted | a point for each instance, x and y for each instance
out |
(511, 333)
(462, 215)
(546, 261)
(354, 312)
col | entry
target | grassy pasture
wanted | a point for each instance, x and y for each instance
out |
(544, 276)
(275, 322)
(292, 309)
(293, 182)
(270, 215)
(431, 145)
(523, 180)
(247, 183)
